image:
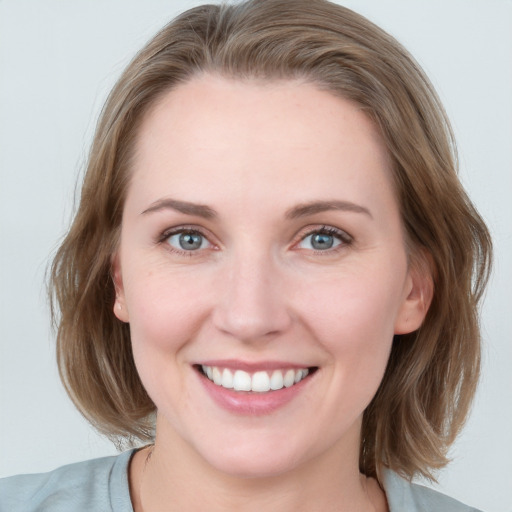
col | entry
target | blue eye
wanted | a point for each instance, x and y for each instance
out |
(188, 241)
(323, 240)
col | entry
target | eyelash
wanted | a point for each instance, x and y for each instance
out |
(164, 237)
(344, 238)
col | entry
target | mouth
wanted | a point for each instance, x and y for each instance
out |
(261, 381)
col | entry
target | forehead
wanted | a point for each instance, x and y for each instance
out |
(233, 137)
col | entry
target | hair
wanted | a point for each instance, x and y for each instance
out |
(432, 373)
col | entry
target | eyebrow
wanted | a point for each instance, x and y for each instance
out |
(301, 210)
(199, 210)
(314, 207)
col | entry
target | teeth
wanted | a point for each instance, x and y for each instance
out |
(300, 375)
(259, 382)
(227, 379)
(289, 378)
(241, 381)
(217, 376)
(276, 381)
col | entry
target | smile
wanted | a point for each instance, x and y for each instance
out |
(259, 382)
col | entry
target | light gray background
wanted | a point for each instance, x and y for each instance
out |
(58, 60)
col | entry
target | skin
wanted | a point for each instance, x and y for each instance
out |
(256, 290)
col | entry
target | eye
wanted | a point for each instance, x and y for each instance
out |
(324, 239)
(188, 240)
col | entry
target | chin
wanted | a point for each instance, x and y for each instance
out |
(256, 466)
(257, 458)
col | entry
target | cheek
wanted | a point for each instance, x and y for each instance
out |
(165, 310)
(353, 321)
(353, 318)
(358, 308)
(165, 313)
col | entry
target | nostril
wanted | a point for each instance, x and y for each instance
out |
(252, 324)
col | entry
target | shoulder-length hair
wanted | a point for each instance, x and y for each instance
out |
(432, 373)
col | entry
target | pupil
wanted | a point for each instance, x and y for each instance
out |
(322, 241)
(190, 241)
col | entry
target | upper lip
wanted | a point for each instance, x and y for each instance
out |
(253, 366)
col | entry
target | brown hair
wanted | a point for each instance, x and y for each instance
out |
(432, 373)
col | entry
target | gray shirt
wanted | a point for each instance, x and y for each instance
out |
(101, 485)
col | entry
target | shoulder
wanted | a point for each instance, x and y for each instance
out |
(98, 484)
(404, 496)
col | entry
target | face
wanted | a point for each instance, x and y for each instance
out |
(263, 273)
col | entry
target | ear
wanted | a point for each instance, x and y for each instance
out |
(418, 293)
(120, 309)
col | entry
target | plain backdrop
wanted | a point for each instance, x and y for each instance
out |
(58, 60)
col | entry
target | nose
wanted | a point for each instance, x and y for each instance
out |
(251, 305)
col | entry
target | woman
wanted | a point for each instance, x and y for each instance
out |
(274, 257)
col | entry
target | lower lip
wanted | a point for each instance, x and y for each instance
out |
(252, 403)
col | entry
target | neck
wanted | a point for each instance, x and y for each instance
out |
(172, 476)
